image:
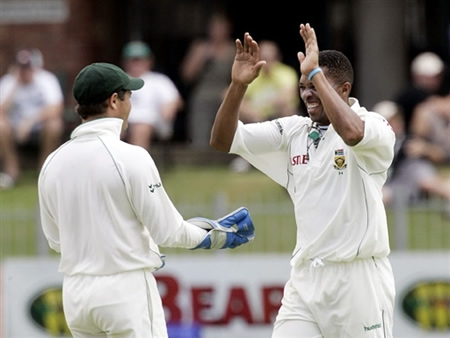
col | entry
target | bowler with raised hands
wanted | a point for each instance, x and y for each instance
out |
(333, 163)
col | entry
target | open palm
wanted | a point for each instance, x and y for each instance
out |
(310, 60)
(246, 65)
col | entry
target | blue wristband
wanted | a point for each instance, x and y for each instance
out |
(314, 72)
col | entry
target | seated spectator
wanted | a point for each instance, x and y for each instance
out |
(427, 73)
(425, 151)
(275, 92)
(156, 105)
(31, 112)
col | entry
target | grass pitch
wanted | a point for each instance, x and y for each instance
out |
(209, 191)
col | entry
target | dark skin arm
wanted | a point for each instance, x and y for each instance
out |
(246, 68)
(335, 101)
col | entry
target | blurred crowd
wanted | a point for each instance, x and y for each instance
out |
(32, 108)
(420, 118)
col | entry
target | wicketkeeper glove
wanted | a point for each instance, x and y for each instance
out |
(229, 231)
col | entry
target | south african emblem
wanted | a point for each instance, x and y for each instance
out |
(339, 159)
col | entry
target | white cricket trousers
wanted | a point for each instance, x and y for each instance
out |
(126, 304)
(338, 300)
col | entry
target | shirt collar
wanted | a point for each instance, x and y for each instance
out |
(354, 104)
(103, 126)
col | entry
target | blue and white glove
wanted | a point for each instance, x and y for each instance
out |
(229, 231)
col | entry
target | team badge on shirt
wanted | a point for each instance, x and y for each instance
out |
(339, 159)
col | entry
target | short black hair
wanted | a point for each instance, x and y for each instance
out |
(93, 109)
(338, 66)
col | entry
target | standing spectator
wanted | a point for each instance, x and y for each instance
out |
(156, 105)
(274, 93)
(31, 112)
(333, 163)
(427, 78)
(205, 69)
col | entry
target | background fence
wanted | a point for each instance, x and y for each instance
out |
(423, 226)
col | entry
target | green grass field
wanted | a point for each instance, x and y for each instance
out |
(210, 192)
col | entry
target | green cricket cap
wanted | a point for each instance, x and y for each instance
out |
(136, 50)
(98, 81)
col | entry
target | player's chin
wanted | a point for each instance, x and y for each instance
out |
(315, 113)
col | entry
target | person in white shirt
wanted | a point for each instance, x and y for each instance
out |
(333, 164)
(31, 112)
(156, 105)
(104, 208)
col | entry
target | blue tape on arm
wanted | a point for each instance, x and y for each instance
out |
(314, 72)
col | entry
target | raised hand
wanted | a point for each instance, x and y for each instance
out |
(246, 66)
(310, 61)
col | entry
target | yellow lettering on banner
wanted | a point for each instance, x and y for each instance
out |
(53, 318)
(440, 306)
(422, 311)
(431, 306)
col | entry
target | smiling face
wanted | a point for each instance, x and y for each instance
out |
(312, 101)
(339, 74)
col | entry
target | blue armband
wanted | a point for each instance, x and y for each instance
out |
(314, 72)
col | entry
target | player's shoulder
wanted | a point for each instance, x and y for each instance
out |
(294, 120)
(368, 116)
(360, 110)
(291, 124)
(132, 150)
(135, 158)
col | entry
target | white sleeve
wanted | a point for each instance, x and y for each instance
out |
(375, 151)
(156, 211)
(49, 226)
(264, 145)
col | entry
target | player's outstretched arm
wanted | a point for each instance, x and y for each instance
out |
(246, 68)
(229, 231)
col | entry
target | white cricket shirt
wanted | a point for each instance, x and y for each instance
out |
(337, 194)
(104, 207)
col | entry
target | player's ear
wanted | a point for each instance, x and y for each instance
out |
(346, 88)
(112, 100)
